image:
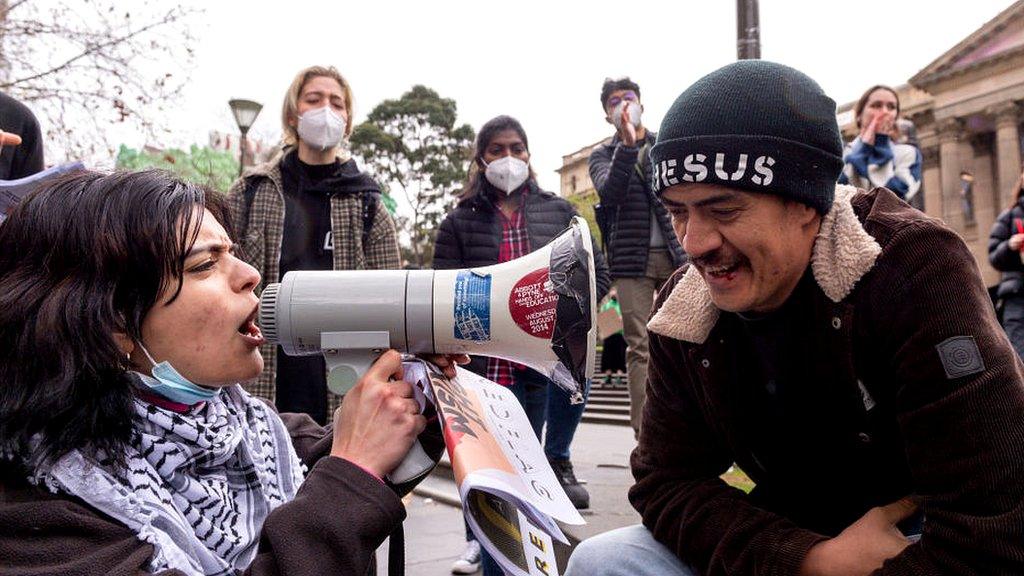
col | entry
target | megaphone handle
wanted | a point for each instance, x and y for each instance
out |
(413, 465)
(349, 355)
(345, 368)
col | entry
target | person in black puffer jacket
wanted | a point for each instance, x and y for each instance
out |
(503, 214)
(1004, 253)
(642, 248)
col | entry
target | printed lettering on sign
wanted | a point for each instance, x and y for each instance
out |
(532, 304)
(538, 547)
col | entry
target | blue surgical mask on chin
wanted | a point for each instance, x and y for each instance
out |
(169, 383)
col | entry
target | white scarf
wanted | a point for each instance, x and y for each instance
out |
(197, 486)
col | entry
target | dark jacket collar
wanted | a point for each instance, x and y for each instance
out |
(485, 199)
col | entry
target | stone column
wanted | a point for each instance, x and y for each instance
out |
(949, 131)
(986, 198)
(986, 201)
(1007, 115)
(931, 182)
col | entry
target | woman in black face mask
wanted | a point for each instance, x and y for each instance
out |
(310, 208)
(1005, 245)
(502, 215)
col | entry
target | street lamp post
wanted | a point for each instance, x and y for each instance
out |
(748, 30)
(245, 113)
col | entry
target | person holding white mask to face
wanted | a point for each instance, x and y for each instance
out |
(636, 229)
(310, 208)
(875, 158)
(503, 215)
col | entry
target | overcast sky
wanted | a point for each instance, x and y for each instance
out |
(543, 61)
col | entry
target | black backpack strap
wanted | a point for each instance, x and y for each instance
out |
(396, 552)
(607, 217)
(370, 202)
(641, 161)
(248, 194)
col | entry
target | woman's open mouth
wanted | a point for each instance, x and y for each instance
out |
(250, 331)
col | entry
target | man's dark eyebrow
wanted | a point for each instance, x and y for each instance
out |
(716, 199)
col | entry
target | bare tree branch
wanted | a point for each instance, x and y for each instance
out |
(89, 66)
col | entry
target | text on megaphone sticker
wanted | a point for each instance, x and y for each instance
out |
(532, 304)
(473, 306)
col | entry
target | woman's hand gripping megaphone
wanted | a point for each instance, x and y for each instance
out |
(379, 419)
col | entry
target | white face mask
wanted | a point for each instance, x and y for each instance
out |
(633, 111)
(507, 173)
(321, 128)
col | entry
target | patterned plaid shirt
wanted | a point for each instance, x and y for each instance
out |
(515, 243)
(259, 229)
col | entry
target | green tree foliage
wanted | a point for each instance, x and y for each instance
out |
(217, 169)
(414, 148)
(584, 204)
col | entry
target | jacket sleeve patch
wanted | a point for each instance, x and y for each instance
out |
(960, 356)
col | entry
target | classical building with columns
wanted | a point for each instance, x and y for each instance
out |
(967, 109)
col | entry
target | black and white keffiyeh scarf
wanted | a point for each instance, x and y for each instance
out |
(197, 486)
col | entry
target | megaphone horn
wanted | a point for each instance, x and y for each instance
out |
(538, 310)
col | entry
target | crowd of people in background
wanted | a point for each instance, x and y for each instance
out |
(133, 443)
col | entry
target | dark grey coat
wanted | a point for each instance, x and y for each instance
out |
(1011, 281)
(613, 169)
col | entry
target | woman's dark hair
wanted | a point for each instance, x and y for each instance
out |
(81, 259)
(859, 108)
(475, 180)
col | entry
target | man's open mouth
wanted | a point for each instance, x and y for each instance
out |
(722, 272)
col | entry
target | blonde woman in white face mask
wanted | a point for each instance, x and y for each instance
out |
(502, 215)
(310, 208)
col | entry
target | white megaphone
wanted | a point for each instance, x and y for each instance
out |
(538, 310)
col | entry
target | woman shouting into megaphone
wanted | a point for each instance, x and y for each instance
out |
(126, 445)
(503, 215)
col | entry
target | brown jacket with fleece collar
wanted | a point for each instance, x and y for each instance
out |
(910, 387)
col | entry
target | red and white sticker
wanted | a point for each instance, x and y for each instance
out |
(532, 304)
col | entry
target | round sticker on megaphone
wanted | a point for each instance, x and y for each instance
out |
(532, 304)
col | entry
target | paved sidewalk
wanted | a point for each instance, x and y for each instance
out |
(600, 455)
(434, 538)
(434, 535)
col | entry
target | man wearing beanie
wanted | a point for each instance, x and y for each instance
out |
(834, 343)
(642, 250)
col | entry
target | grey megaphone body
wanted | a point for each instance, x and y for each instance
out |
(538, 310)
